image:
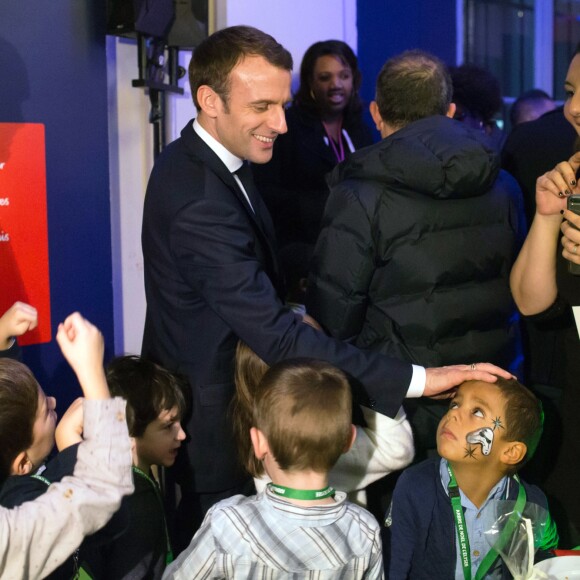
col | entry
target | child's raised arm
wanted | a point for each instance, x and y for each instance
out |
(17, 320)
(40, 535)
(82, 345)
(70, 427)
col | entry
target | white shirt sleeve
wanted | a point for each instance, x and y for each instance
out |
(383, 446)
(38, 536)
(417, 385)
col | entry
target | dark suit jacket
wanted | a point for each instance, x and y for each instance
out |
(211, 279)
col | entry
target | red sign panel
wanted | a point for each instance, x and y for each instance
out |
(24, 271)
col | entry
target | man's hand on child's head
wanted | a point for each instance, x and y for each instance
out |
(17, 320)
(441, 380)
(83, 347)
(70, 428)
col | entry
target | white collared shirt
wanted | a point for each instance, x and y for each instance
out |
(232, 162)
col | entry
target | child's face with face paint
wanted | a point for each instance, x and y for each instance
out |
(474, 427)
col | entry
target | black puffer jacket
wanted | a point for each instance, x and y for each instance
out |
(419, 235)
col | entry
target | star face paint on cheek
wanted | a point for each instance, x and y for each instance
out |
(497, 424)
(483, 437)
(470, 452)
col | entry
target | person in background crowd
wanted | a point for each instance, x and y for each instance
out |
(477, 97)
(530, 106)
(419, 236)
(325, 126)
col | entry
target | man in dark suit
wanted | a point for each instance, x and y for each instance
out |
(211, 275)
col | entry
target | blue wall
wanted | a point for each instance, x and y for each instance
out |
(388, 27)
(53, 71)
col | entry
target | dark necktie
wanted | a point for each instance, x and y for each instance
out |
(245, 175)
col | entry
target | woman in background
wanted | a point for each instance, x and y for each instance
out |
(325, 126)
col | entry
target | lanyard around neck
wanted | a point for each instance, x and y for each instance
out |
(461, 528)
(155, 485)
(307, 494)
(337, 148)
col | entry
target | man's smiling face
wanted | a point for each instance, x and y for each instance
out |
(248, 124)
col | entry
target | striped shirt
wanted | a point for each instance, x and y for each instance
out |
(268, 538)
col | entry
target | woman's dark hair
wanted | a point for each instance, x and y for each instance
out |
(336, 48)
(18, 408)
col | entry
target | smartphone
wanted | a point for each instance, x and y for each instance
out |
(574, 205)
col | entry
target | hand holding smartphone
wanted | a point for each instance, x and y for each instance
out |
(574, 206)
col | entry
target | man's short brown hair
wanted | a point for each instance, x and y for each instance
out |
(412, 86)
(304, 408)
(214, 59)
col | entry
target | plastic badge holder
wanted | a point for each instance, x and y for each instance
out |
(515, 535)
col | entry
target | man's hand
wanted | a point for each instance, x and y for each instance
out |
(440, 381)
(83, 347)
(70, 428)
(17, 320)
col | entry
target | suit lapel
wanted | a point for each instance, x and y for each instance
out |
(264, 226)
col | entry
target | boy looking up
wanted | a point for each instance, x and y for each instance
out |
(488, 433)
(302, 424)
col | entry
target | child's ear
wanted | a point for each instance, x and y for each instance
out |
(21, 464)
(514, 452)
(259, 443)
(351, 438)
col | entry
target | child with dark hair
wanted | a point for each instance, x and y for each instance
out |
(135, 543)
(155, 406)
(301, 425)
(42, 534)
(441, 507)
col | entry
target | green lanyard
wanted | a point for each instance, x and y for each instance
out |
(461, 528)
(306, 494)
(169, 553)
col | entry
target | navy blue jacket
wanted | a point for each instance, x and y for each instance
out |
(419, 543)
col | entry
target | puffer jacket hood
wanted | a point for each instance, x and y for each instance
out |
(418, 238)
(454, 160)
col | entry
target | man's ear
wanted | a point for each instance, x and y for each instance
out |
(451, 110)
(378, 120)
(21, 465)
(351, 439)
(513, 452)
(209, 101)
(259, 443)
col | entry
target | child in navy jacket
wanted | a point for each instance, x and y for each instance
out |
(441, 507)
